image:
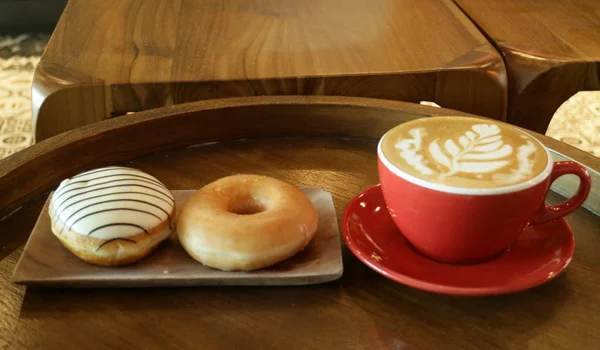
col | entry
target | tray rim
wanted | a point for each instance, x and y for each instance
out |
(353, 110)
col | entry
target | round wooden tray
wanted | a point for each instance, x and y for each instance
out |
(321, 142)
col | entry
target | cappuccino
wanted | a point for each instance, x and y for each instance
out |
(464, 152)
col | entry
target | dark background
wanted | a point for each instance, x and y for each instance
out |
(27, 16)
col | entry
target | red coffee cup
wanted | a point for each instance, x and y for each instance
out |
(471, 225)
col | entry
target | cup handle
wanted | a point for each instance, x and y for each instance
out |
(549, 212)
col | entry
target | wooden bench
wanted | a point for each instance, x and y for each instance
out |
(110, 57)
(551, 49)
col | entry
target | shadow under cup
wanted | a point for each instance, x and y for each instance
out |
(467, 226)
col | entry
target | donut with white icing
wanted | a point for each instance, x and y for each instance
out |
(246, 222)
(112, 216)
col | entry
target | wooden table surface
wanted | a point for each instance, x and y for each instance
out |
(110, 57)
(309, 141)
(551, 47)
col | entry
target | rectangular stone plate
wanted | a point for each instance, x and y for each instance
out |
(45, 262)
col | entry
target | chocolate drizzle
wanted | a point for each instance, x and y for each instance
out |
(107, 203)
(115, 175)
(110, 194)
(117, 224)
(104, 183)
(112, 209)
(115, 239)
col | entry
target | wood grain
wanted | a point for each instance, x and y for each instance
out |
(326, 142)
(550, 48)
(110, 57)
(45, 262)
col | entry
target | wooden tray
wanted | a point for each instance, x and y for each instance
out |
(46, 262)
(324, 142)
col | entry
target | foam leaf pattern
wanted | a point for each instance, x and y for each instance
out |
(452, 147)
(491, 139)
(488, 146)
(439, 155)
(480, 151)
(410, 148)
(489, 154)
(525, 167)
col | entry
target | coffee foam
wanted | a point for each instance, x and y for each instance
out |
(464, 152)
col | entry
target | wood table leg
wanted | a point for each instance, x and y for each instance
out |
(538, 86)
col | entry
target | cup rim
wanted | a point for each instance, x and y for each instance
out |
(468, 190)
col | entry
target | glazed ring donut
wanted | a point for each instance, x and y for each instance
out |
(246, 222)
(112, 216)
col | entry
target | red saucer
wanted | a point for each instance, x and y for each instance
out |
(540, 254)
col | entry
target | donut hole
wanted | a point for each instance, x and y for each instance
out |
(247, 206)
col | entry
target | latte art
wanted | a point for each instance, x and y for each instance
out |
(464, 152)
